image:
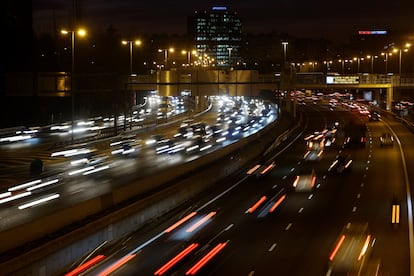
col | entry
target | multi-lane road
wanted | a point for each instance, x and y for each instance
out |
(255, 224)
(109, 165)
(259, 225)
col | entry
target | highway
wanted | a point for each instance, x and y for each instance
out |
(20, 145)
(259, 225)
(78, 179)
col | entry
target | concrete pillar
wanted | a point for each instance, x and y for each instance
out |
(390, 94)
(377, 95)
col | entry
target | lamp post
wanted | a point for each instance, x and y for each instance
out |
(327, 63)
(80, 32)
(189, 53)
(313, 63)
(171, 50)
(342, 62)
(229, 49)
(407, 45)
(372, 62)
(285, 44)
(358, 59)
(131, 43)
(386, 60)
(127, 99)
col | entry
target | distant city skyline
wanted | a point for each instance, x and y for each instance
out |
(324, 19)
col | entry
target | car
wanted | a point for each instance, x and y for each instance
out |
(260, 170)
(315, 141)
(352, 250)
(342, 164)
(313, 155)
(329, 137)
(305, 181)
(386, 140)
(355, 141)
(374, 116)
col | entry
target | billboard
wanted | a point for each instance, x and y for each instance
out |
(342, 79)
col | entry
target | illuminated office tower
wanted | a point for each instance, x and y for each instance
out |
(217, 35)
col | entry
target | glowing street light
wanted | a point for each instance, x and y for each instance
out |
(171, 50)
(372, 62)
(73, 33)
(285, 44)
(405, 49)
(189, 53)
(327, 63)
(229, 49)
(386, 55)
(131, 43)
(358, 59)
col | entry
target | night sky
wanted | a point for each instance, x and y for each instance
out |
(335, 20)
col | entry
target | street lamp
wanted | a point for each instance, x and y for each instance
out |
(189, 53)
(358, 59)
(372, 62)
(229, 49)
(386, 55)
(407, 45)
(285, 44)
(80, 32)
(313, 63)
(131, 43)
(342, 62)
(171, 50)
(327, 63)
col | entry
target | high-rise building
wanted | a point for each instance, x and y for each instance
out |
(217, 34)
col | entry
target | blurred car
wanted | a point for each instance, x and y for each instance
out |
(355, 141)
(305, 181)
(386, 140)
(351, 251)
(329, 137)
(313, 155)
(374, 116)
(315, 141)
(355, 135)
(261, 170)
(342, 164)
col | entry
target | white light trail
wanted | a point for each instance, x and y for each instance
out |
(6, 194)
(81, 170)
(39, 201)
(42, 185)
(11, 198)
(96, 170)
(25, 185)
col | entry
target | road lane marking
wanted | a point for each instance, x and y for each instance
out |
(272, 247)
(354, 209)
(300, 210)
(409, 201)
(288, 226)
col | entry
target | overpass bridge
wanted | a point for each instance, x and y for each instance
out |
(384, 88)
